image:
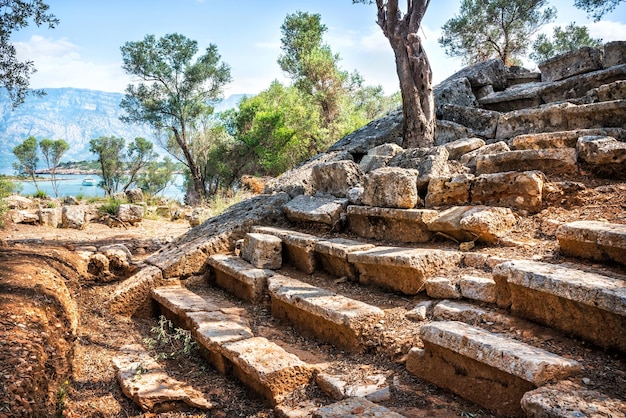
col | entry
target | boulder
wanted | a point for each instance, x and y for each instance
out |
(391, 187)
(49, 217)
(134, 195)
(336, 177)
(457, 91)
(429, 162)
(492, 72)
(474, 223)
(129, 213)
(120, 259)
(70, 201)
(444, 191)
(18, 202)
(198, 215)
(614, 53)
(448, 131)
(469, 159)
(73, 217)
(481, 122)
(604, 156)
(568, 64)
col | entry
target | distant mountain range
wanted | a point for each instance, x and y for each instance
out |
(75, 115)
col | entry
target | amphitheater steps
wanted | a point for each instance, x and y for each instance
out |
(486, 368)
(600, 241)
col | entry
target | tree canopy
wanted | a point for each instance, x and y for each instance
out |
(26, 154)
(15, 15)
(597, 8)
(563, 40)
(486, 29)
(52, 152)
(175, 93)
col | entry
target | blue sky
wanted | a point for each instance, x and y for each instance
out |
(84, 50)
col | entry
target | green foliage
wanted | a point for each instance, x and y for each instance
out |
(7, 187)
(26, 153)
(40, 194)
(597, 8)
(485, 29)
(15, 74)
(62, 393)
(156, 177)
(563, 40)
(110, 206)
(52, 152)
(175, 91)
(110, 153)
(168, 341)
(140, 153)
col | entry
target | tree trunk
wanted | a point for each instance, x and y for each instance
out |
(199, 188)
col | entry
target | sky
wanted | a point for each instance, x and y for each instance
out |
(83, 51)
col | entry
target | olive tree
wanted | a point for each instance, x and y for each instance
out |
(597, 8)
(563, 40)
(52, 152)
(486, 29)
(175, 92)
(15, 15)
(26, 154)
(413, 68)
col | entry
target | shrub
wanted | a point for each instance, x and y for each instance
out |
(40, 194)
(110, 206)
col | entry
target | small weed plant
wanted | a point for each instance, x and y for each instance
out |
(40, 194)
(62, 392)
(168, 341)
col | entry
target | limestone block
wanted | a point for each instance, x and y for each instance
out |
(519, 75)
(180, 301)
(578, 88)
(355, 406)
(18, 202)
(73, 217)
(145, 382)
(385, 150)
(474, 223)
(586, 304)
(605, 154)
(448, 310)
(373, 387)
(614, 53)
(120, 259)
(442, 288)
(262, 251)
(562, 139)
(355, 195)
(491, 72)
(462, 146)
(469, 159)
(482, 289)
(24, 217)
(568, 64)
(391, 187)
(429, 162)
(49, 217)
(515, 190)
(267, 368)
(518, 97)
(561, 399)
(612, 91)
(336, 177)
(198, 215)
(402, 269)
(129, 213)
(456, 91)
(333, 255)
(387, 129)
(448, 131)
(298, 247)
(420, 311)
(134, 195)
(548, 161)
(402, 225)
(315, 209)
(444, 191)
(593, 240)
(239, 277)
(373, 162)
(481, 122)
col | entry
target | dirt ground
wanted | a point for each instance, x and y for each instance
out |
(56, 342)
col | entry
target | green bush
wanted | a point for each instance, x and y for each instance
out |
(40, 194)
(110, 206)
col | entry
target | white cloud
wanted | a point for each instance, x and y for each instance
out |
(374, 40)
(59, 64)
(607, 30)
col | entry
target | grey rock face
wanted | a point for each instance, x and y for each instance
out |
(336, 177)
(583, 60)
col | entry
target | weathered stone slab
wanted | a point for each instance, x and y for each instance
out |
(336, 177)
(521, 96)
(130, 213)
(150, 387)
(239, 277)
(568, 64)
(456, 91)
(482, 289)
(327, 316)
(187, 255)
(612, 91)
(373, 387)
(548, 161)
(354, 407)
(491, 72)
(333, 256)
(593, 240)
(387, 129)
(442, 288)
(563, 139)
(614, 53)
(263, 251)
(589, 305)
(402, 225)
(429, 162)
(49, 217)
(566, 399)
(448, 310)
(402, 269)
(469, 159)
(515, 190)
(378, 157)
(474, 223)
(391, 187)
(176, 302)
(446, 191)
(315, 209)
(577, 87)
(604, 156)
(132, 296)
(267, 368)
(462, 146)
(448, 131)
(488, 369)
(73, 217)
(562, 117)
(214, 329)
(481, 122)
(519, 75)
(298, 247)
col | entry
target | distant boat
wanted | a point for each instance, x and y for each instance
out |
(89, 181)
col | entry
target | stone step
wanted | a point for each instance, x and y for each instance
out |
(390, 224)
(589, 305)
(333, 256)
(354, 407)
(326, 315)
(593, 240)
(315, 209)
(402, 269)
(562, 139)
(298, 247)
(488, 369)
(177, 302)
(231, 347)
(239, 277)
(549, 161)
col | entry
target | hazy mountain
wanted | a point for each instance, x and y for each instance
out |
(75, 115)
